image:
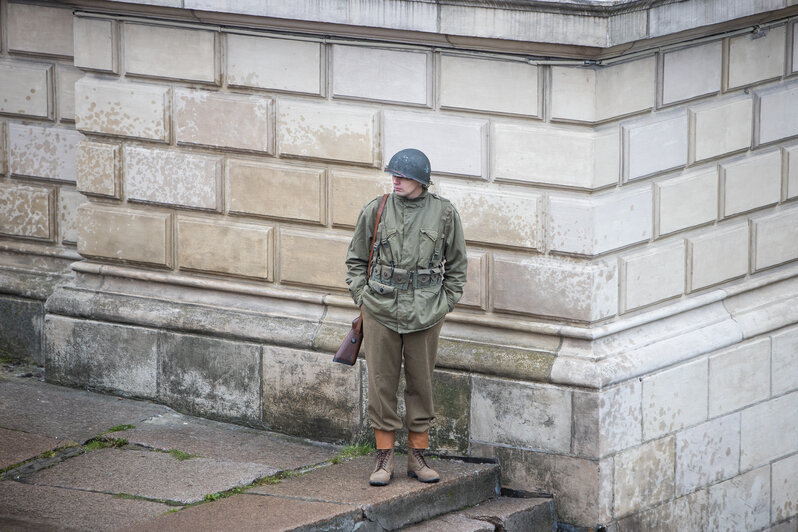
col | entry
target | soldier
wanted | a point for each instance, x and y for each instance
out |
(416, 276)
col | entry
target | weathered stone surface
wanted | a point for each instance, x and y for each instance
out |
(27, 211)
(504, 217)
(305, 393)
(278, 64)
(292, 192)
(784, 498)
(223, 120)
(594, 225)
(739, 377)
(521, 414)
(149, 50)
(785, 361)
(474, 292)
(313, 258)
(675, 398)
(707, 453)
(209, 376)
(95, 44)
(381, 74)
(117, 358)
(718, 256)
(532, 515)
(39, 29)
(741, 503)
(454, 145)
(653, 275)
(686, 201)
(324, 131)
(756, 57)
(453, 521)
(221, 247)
(66, 77)
(28, 507)
(751, 183)
(586, 433)
(98, 168)
(42, 151)
(559, 288)
(21, 324)
(450, 431)
(721, 128)
(67, 219)
(16, 446)
(489, 85)
(685, 513)
(171, 177)
(620, 417)
(644, 476)
(691, 72)
(25, 88)
(778, 114)
(775, 238)
(557, 156)
(351, 190)
(125, 235)
(791, 160)
(654, 144)
(124, 109)
(758, 426)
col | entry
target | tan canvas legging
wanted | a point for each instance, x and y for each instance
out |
(384, 351)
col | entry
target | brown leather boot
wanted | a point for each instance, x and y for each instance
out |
(383, 471)
(417, 466)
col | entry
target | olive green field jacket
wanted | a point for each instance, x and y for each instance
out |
(419, 265)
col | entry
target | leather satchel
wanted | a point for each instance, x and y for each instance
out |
(350, 347)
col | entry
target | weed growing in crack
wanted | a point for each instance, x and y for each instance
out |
(119, 428)
(223, 494)
(103, 443)
(351, 451)
(181, 455)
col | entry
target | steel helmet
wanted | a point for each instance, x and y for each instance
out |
(411, 164)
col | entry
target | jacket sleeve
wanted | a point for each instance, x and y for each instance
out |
(358, 255)
(454, 277)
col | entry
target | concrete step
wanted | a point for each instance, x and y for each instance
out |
(501, 514)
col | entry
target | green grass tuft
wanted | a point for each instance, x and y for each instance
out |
(103, 443)
(119, 428)
(352, 450)
(181, 455)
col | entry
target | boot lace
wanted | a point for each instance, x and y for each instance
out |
(418, 455)
(382, 459)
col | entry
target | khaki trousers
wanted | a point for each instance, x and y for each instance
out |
(385, 350)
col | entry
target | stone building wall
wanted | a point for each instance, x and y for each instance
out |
(628, 338)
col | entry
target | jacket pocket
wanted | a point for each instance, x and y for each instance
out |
(426, 248)
(379, 289)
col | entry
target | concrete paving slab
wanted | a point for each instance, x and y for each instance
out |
(516, 514)
(225, 441)
(150, 474)
(66, 413)
(16, 446)
(26, 507)
(456, 521)
(256, 512)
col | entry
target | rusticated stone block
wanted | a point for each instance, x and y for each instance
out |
(26, 211)
(741, 503)
(585, 438)
(229, 248)
(718, 256)
(489, 85)
(39, 29)
(21, 325)
(756, 57)
(25, 88)
(785, 361)
(474, 292)
(278, 64)
(554, 287)
(451, 395)
(125, 235)
(653, 275)
(304, 393)
(380, 74)
(778, 114)
(521, 414)
(791, 160)
(691, 72)
(768, 430)
(721, 128)
(501, 217)
(324, 131)
(210, 377)
(620, 417)
(784, 498)
(739, 377)
(172, 177)
(43, 151)
(66, 78)
(122, 109)
(654, 144)
(453, 145)
(686, 201)
(775, 239)
(674, 398)
(95, 44)
(97, 168)
(149, 51)
(129, 361)
(222, 120)
(290, 192)
(351, 190)
(313, 258)
(644, 476)
(3, 165)
(707, 453)
(68, 202)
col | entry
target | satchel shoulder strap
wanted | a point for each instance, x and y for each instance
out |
(374, 233)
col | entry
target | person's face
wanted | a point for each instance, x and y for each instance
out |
(406, 188)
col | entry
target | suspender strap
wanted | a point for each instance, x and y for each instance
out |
(371, 251)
